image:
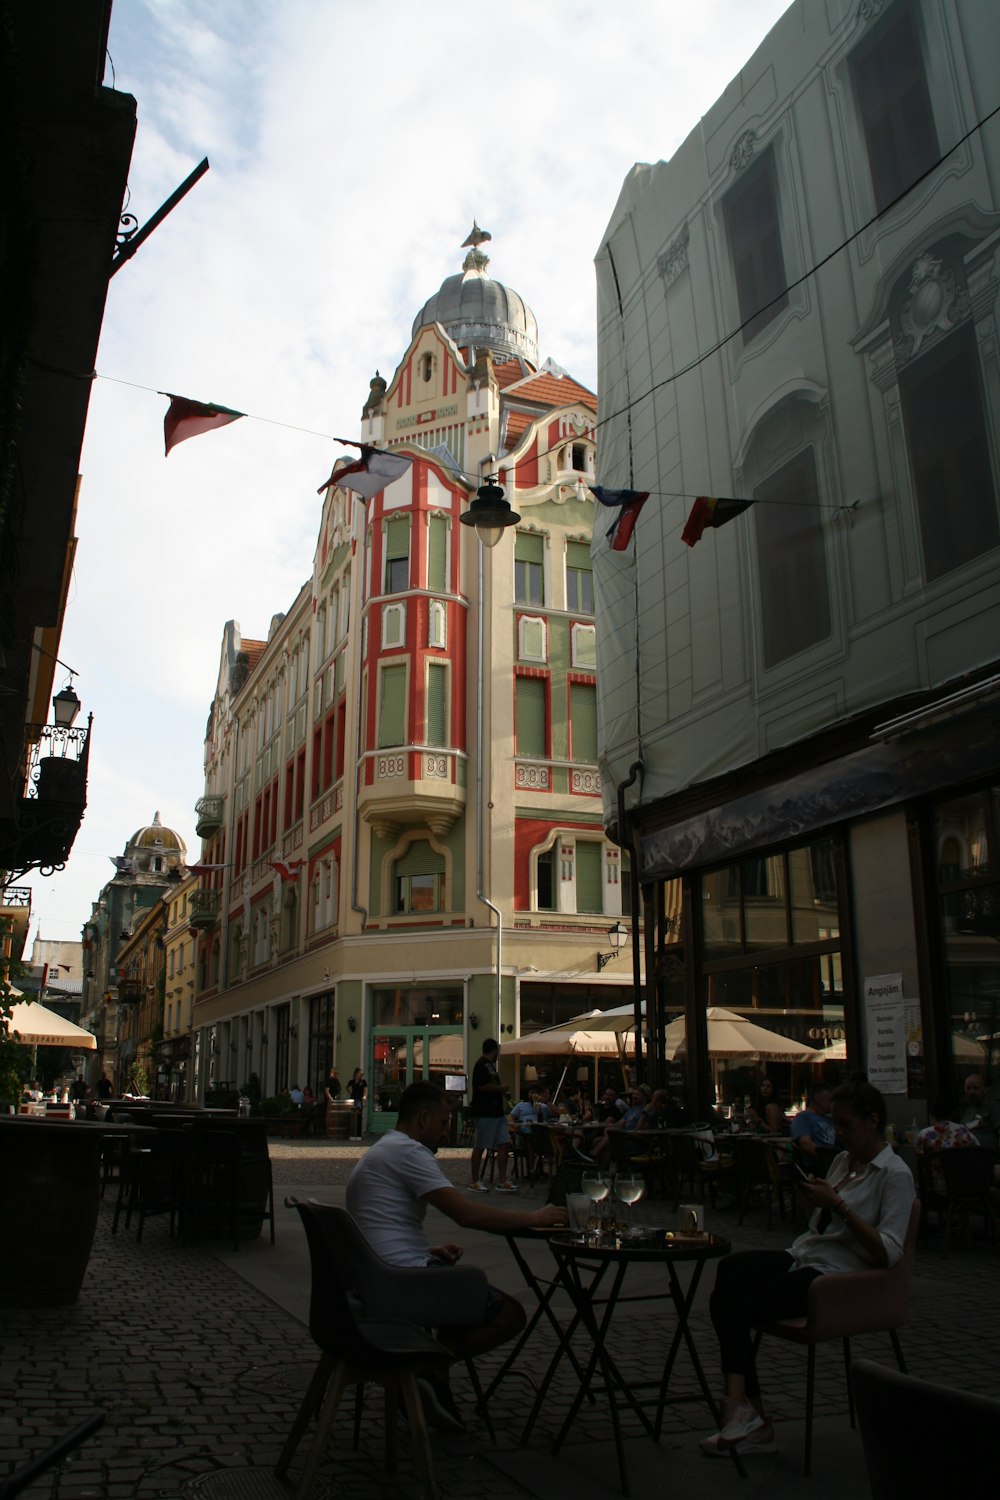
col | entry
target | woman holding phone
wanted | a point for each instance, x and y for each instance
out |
(861, 1212)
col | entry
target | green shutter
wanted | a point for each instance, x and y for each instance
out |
(589, 877)
(392, 707)
(583, 721)
(419, 859)
(397, 537)
(578, 556)
(437, 549)
(437, 715)
(530, 715)
(529, 547)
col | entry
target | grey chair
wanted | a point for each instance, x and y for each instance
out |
(361, 1316)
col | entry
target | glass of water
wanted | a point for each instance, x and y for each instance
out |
(597, 1187)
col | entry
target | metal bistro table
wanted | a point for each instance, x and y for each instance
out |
(582, 1268)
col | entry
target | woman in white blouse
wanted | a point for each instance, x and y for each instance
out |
(861, 1212)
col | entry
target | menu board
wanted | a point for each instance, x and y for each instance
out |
(885, 1026)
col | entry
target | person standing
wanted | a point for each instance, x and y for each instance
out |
(357, 1091)
(487, 1107)
(331, 1093)
(981, 1113)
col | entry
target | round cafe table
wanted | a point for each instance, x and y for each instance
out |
(584, 1265)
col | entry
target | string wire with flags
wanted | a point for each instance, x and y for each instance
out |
(288, 869)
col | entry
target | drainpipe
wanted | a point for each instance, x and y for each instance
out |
(635, 770)
(481, 895)
(358, 762)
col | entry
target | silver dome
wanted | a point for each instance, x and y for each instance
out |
(479, 313)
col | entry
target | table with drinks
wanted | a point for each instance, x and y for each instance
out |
(593, 1257)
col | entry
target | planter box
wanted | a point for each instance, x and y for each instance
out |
(283, 1126)
(50, 1179)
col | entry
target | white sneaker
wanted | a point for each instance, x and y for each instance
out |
(761, 1441)
(739, 1420)
(478, 1187)
(506, 1187)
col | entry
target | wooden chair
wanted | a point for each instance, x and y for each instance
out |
(846, 1305)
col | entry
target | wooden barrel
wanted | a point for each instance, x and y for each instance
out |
(339, 1120)
(50, 1182)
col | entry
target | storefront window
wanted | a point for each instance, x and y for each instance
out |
(771, 944)
(966, 834)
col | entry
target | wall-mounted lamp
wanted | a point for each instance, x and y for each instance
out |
(293, 1032)
(489, 513)
(617, 937)
(352, 1024)
(474, 1021)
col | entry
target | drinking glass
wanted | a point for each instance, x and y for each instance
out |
(629, 1189)
(597, 1187)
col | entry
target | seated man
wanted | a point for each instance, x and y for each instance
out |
(296, 1096)
(388, 1194)
(813, 1127)
(610, 1108)
(602, 1148)
(981, 1113)
(527, 1112)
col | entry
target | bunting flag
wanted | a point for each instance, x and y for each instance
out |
(706, 512)
(629, 503)
(122, 865)
(203, 869)
(187, 419)
(369, 473)
(288, 869)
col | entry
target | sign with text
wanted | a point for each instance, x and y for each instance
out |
(885, 1020)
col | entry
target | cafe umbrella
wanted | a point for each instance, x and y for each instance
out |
(737, 1037)
(35, 1025)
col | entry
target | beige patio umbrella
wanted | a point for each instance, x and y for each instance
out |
(621, 1018)
(36, 1026)
(734, 1036)
(447, 1053)
(564, 1041)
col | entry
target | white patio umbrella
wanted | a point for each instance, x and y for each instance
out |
(620, 1018)
(564, 1041)
(447, 1053)
(735, 1036)
(37, 1026)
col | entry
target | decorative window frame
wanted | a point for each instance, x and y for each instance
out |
(394, 626)
(386, 872)
(437, 625)
(526, 626)
(583, 659)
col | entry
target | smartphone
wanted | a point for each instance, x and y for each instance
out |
(806, 1176)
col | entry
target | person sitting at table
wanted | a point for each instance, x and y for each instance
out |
(767, 1114)
(814, 1126)
(942, 1134)
(661, 1113)
(861, 1213)
(610, 1107)
(388, 1194)
(981, 1114)
(526, 1112)
(296, 1096)
(602, 1149)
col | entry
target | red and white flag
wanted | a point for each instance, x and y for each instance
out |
(369, 473)
(204, 869)
(187, 419)
(288, 869)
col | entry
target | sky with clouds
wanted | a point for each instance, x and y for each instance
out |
(351, 146)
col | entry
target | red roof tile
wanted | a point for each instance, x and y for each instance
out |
(551, 390)
(254, 651)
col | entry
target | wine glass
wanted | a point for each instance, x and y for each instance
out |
(597, 1187)
(629, 1189)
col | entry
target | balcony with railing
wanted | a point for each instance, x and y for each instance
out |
(44, 821)
(209, 813)
(204, 908)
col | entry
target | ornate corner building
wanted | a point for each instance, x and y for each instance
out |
(403, 850)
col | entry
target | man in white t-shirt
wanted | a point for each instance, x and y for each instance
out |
(388, 1194)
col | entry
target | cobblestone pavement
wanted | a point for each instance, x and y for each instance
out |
(200, 1373)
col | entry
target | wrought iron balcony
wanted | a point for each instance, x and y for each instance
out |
(203, 908)
(209, 812)
(47, 817)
